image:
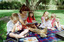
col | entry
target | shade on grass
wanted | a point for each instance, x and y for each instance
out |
(3, 30)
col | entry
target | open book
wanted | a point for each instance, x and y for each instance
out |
(31, 23)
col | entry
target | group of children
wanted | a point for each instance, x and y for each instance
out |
(51, 23)
(17, 30)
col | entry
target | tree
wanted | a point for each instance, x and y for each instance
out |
(27, 3)
(38, 3)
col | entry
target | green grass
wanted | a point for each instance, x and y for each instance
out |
(38, 14)
(3, 30)
(4, 13)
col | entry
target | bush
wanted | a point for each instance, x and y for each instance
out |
(10, 5)
(61, 7)
(42, 7)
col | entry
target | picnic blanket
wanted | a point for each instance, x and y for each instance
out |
(50, 36)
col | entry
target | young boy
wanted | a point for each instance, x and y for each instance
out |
(13, 25)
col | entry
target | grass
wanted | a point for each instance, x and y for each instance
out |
(38, 14)
(59, 14)
(3, 30)
(4, 13)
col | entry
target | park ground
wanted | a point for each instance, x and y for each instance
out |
(38, 14)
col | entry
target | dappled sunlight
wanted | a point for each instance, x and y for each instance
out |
(7, 10)
(52, 5)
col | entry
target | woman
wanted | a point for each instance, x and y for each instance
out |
(23, 17)
(23, 14)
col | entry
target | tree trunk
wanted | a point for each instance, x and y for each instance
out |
(27, 3)
(45, 4)
(32, 4)
(38, 4)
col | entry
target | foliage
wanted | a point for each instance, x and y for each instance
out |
(10, 5)
(60, 7)
(33, 4)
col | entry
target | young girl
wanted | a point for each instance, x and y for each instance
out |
(31, 17)
(48, 23)
(13, 26)
(53, 19)
(43, 19)
(58, 25)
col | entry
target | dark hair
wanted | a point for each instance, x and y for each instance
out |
(24, 8)
(29, 15)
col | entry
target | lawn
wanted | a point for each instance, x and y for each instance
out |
(38, 14)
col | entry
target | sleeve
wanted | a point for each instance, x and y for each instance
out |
(27, 19)
(42, 18)
(9, 27)
(19, 16)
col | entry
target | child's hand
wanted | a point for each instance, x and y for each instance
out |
(19, 27)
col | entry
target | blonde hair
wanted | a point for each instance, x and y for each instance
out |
(14, 16)
(44, 13)
(53, 15)
(57, 19)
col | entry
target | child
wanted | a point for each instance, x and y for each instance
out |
(48, 22)
(53, 19)
(43, 19)
(58, 25)
(31, 19)
(12, 25)
(18, 27)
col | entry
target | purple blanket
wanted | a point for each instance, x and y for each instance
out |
(50, 36)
